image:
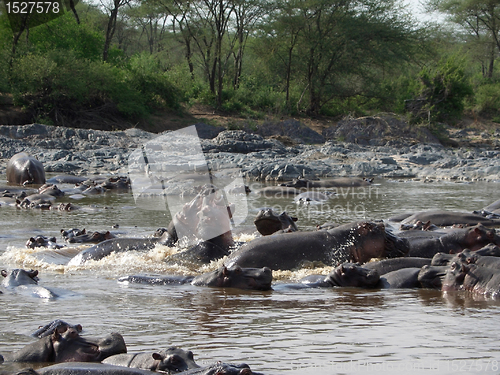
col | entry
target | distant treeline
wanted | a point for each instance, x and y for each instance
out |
(126, 59)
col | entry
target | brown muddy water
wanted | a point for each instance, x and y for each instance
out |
(311, 331)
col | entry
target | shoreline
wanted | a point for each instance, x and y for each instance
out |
(90, 152)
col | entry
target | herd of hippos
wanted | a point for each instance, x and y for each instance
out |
(444, 250)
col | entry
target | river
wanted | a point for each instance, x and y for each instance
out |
(312, 331)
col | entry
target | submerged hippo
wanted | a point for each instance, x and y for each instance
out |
(24, 282)
(308, 197)
(18, 277)
(444, 218)
(356, 242)
(345, 275)
(388, 265)
(106, 369)
(170, 360)
(233, 277)
(473, 238)
(23, 169)
(83, 237)
(85, 368)
(107, 247)
(42, 241)
(68, 346)
(268, 222)
(220, 368)
(328, 183)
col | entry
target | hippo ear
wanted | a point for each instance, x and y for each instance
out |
(33, 273)
(294, 219)
(79, 327)
(157, 356)
(4, 273)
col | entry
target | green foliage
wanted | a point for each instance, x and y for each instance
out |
(64, 33)
(442, 91)
(62, 87)
(487, 100)
(146, 77)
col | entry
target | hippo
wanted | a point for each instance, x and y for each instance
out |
(419, 225)
(220, 368)
(388, 265)
(23, 169)
(70, 233)
(472, 238)
(50, 189)
(494, 207)
(308, 197)
(67, 179)
(278, 192)
(84, 237)
(68, 346)
(224, 277)
(357, 242)
(19, 277)
(489, 250)
(401, 278)
(106, 369)
(444, 218)
(42, 241)
(267, 222)
(469, 257)
(481, 281)
(345, 275)
(85, 368)
(328, 183)
(59, 325)
(105, 248)
(170, 360)
(43, 201)
(431, 277)
(26, 282)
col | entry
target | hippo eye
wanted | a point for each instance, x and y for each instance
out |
(175, 359)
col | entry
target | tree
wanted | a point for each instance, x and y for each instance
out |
(112, 7)
(479, 19)
(338, 46)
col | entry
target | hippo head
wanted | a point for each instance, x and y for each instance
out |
(237, 277)
(267, 222)
(455, 275)
(69, 346)
(18, 277)
(174, 360)
(432, 276)
(479, 236)
(110, 345)
(371, 240)
(350, 274)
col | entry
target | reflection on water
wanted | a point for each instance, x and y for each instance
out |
(314, 331)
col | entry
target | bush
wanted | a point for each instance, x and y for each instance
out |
(63, 88)
(442, 91)
(487, 99)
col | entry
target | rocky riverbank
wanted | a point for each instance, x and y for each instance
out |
(368, 148)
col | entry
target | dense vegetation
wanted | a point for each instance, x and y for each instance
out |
(121, 60)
